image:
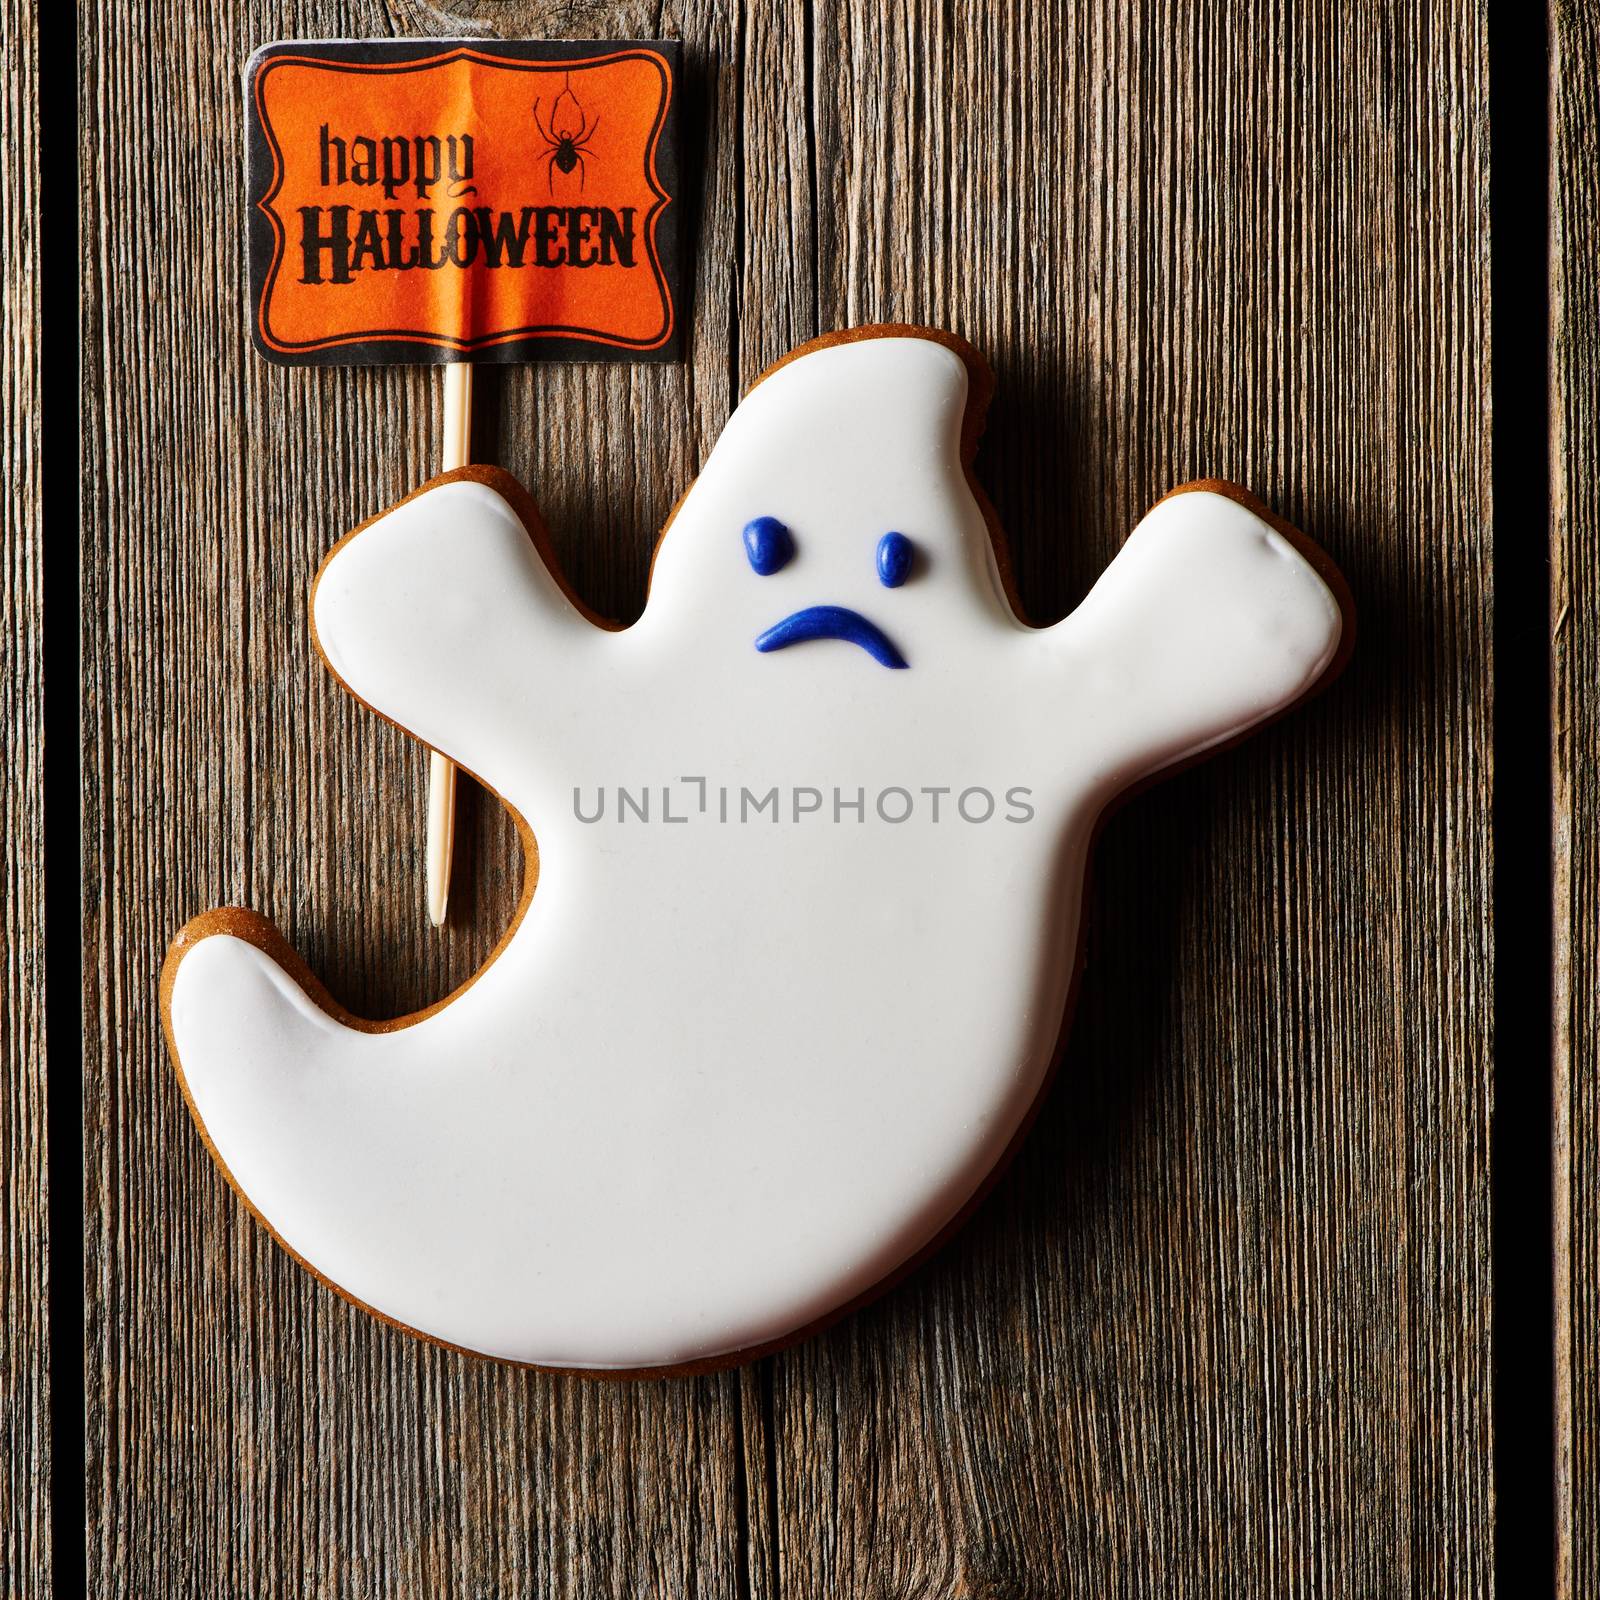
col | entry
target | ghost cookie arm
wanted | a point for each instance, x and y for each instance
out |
(442, 616)
(1209, 620)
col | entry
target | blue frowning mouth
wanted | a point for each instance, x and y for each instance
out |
(832, 622)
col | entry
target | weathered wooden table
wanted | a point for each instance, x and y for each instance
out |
(1227, 1326)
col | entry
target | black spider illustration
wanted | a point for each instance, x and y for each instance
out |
(566, 146)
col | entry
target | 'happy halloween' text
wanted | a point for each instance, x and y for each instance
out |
(338, 241)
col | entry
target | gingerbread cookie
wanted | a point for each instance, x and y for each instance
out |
(812, 837)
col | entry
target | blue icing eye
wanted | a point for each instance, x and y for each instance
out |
(769, 545)
(894, 559)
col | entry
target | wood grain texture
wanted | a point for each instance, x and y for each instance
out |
(24, 1190)
(1575, 614)
(1224, 1328)
(249, 1433)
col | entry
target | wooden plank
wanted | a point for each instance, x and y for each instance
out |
(1575, 614)
(24, 1190)
(248, 1432)
(1224, 1329)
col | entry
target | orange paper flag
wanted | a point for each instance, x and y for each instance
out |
(434, 201)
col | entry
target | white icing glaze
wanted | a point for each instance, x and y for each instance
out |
(726, 1077)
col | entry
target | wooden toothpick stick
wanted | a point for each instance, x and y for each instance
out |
(441, 772)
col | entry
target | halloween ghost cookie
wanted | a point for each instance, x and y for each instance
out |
(812, 836)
